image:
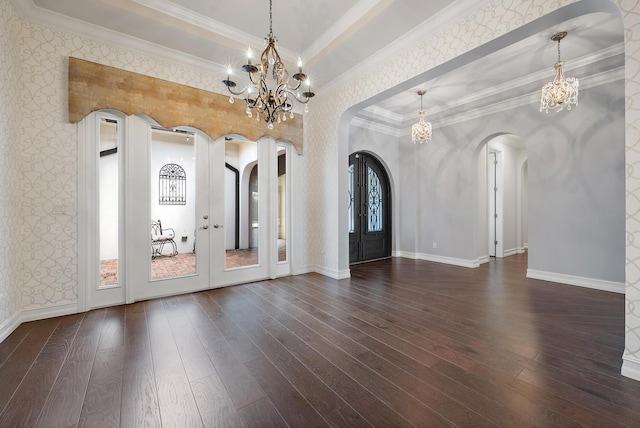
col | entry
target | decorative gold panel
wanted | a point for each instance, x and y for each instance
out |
(95, 87)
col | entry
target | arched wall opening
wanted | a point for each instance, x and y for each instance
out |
(500, 192)
(540, 127)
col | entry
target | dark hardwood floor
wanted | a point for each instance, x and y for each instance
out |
(402, 343)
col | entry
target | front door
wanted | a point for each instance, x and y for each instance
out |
(369, 209)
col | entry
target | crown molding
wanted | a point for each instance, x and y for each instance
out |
(370, 125)
(592, 81)
(375, 112)
(31, 13)
(344, 25)
(443, 19)
(230, 34)
(530, 78)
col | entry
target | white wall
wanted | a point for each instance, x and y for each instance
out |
(11, 186)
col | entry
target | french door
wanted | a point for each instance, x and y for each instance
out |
(173, 211)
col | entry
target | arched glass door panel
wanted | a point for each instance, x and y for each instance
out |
(369, 209)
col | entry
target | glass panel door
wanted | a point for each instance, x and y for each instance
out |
(238, 213)
(173, 204)
(169, 210)
(109, 201)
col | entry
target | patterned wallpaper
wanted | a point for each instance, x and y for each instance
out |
(491, 20)
(48, 231)
(9, 162)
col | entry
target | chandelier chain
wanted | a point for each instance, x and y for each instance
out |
(271, 19)
(559, 50)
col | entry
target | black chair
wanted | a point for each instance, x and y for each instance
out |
(161, 237)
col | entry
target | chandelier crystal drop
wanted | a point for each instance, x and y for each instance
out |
(270, 93)
(421, 131)
(562, 91)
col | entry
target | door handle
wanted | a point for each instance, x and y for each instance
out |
(216, 226)
(205, 227)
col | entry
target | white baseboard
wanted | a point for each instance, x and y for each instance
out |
(405, 254)
(34, 314)
(630, 367)
(482, 260)
(301, 270)
(332, 273)
(511, 252)
(49, 312)
(439, 259)
(10, 325)
(598, 284)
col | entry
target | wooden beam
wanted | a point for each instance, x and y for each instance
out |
(95, 87)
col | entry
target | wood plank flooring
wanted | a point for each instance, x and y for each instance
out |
(402, 343)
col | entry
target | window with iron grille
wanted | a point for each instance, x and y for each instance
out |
(173, 185)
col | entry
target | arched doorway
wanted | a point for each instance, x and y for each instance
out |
(501, 189)
(369, 209)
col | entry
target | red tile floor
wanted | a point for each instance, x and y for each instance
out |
(185, 263)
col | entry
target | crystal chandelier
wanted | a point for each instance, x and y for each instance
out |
(561, 91)
(421, 131)
(269, 92)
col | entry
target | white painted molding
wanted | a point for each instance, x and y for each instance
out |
(597, 284)
(301, 270)
(482, 260)
(29, 12)
(48, 312)
(332, 273)
(34, 314)
(375, 111)
(511, 252)
(343, 25)
(630, 366)
(439, 259)
(522, 100)
(371, 125)
(10, 325)
(438, 22)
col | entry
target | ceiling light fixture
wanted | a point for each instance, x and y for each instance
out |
(421, 131)
(561, 91)
(269, 91)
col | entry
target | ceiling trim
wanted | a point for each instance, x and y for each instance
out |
(371, 125)
(530, 78)
(443, 19)
(346, 25)
(188, 16)
(374, 111)
(587, 82)
(31, 13)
